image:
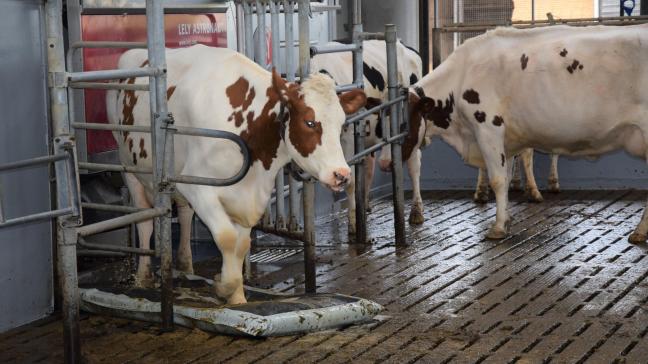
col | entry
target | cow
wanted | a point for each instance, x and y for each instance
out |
(557, 90)
(531, 189)
(217, 88)
(339, 66)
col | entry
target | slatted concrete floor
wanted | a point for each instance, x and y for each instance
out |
(564, 287)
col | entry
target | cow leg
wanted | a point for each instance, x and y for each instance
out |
(234, 274)
(554, 185)
(482, 193)
(351, 206)
(369, 174)
(640, 234)
(531, 188)
(414, 168)
(516, 180)
(143, 277)
(499, 172)
(185, 216)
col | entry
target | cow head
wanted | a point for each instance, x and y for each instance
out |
(312, 130)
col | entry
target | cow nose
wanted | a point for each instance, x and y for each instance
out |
(342, 176)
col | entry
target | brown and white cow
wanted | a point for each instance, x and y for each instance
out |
(340, 67)
(571, 91)
(218, 88)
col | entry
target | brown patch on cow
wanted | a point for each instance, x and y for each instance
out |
(144, 64)
(240, 96)
(471, 96)
(523, 61)
(498, 120)
(503, 159)
(480, 116)
(170, 92)
(130, 145)
(142, 153)
(304, 138)
(134, 158)
(563, 53)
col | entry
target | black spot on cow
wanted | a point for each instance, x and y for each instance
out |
(563, 53)
(471, 96)
(325, 72)
(575, 65)
(419, 91)
(503, 159)
(413, 79)
(438, 111)
(480, 116)
(524, 60)
(374, 77)
(498, 121)
(379, 133)
(410, 48)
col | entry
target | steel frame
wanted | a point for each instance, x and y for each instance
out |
(277, 225)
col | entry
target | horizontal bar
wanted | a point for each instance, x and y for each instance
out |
(113, 74)
(281, 232)
(349, 87)
(357, 157)
(32, 162)
(37, 217)
(546, 21)
(361, 115)
(115, 248)
(113, 168)
(542, 25)
(339, 48)
(121, 221)
(106, 207)
(110, 86)
(112, 127)
(108, 44)
(372, 36)
(204, 181)
(99, 253)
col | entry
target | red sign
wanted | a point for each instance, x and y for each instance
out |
(182, 30)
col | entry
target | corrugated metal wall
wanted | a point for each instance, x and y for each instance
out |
(26, 257)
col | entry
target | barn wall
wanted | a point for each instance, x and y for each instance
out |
(26, 258)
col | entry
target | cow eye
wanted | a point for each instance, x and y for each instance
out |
(310, 123)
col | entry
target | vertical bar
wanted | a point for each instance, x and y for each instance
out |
(309, 186)
(643, 7)
(240, 28)
(163, 156)
(249, 30)
(76, 96)
(280, 214)
(66, 234)
(293, 197)
(359, 129)
(436, 38)
(2, 215)
(424, 34)
(260, 53)
(397, 160)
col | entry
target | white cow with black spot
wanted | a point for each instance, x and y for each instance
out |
(565, 90)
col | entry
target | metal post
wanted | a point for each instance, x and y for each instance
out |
(293, 197)
(163, 155)
(76, 97)
(397, 161)
(436, 38)
(308, 192)
(280, 218)
(359, 129)
(249, 30)
(240, 28)
(424, 34)
(261, 52)
(65, 232)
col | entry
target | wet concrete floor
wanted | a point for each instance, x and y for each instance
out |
(565, 287)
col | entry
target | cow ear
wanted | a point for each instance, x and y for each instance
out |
(279, 85)
(352, 101)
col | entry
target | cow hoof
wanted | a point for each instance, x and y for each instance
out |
(554, 187)
(495, 233)
(481, 197)
(185, 268)
(516, 185)
(416, 217)
(636, 238)
(534, 196)
(237, 298)
(144, 281)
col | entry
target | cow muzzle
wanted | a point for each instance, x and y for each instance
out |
(340, 180)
